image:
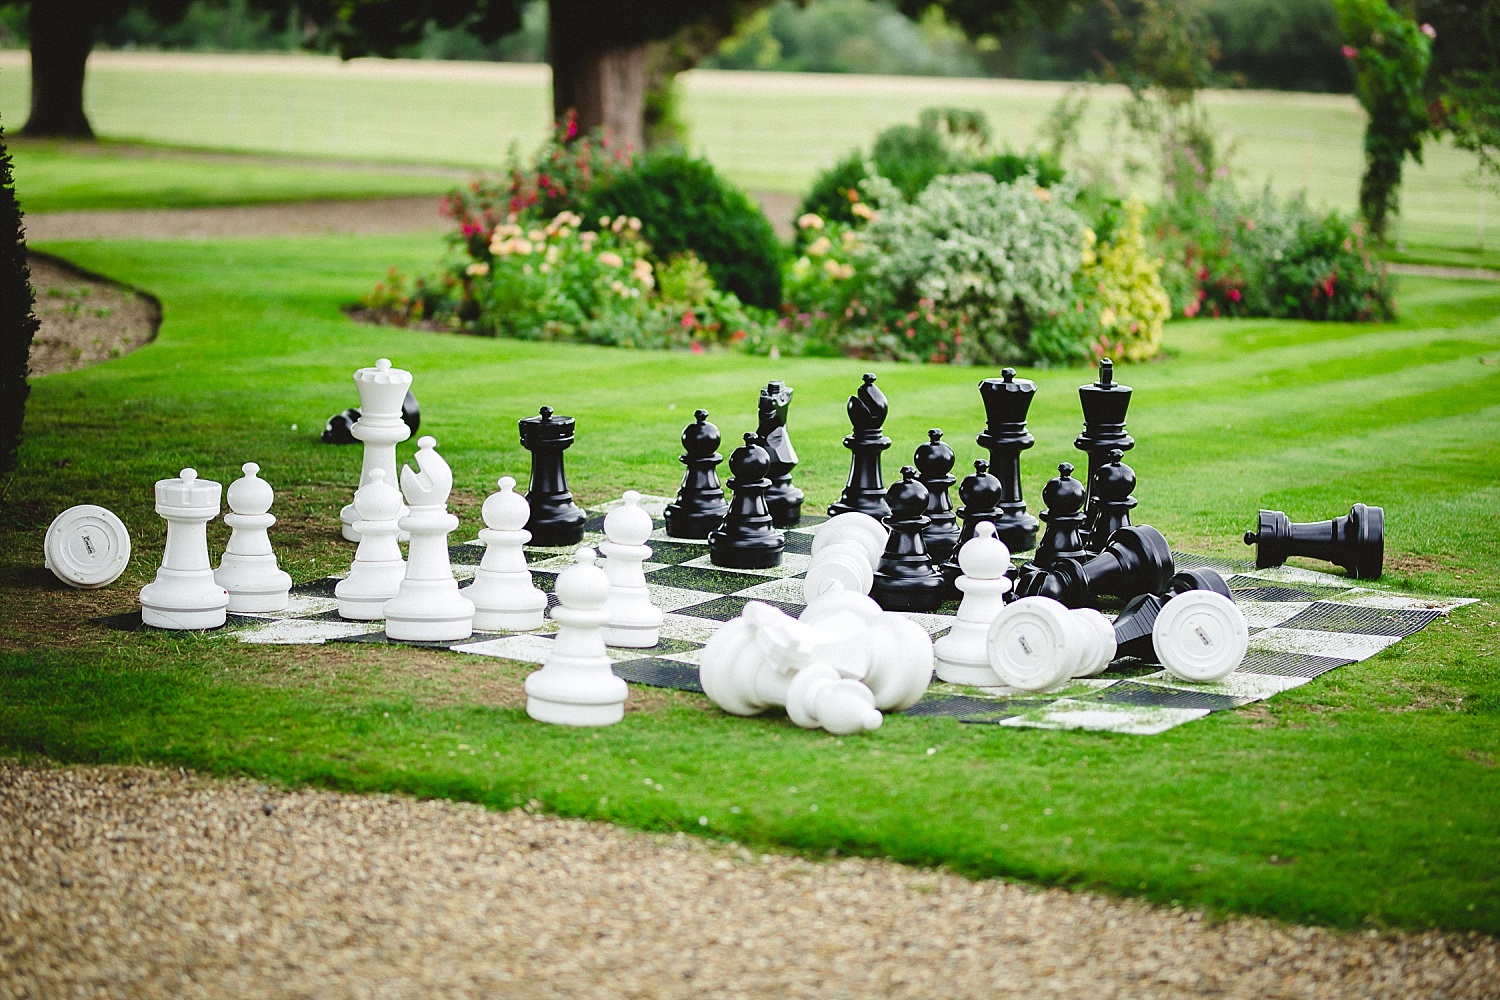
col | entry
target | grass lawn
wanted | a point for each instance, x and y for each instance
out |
(57, 176)
(767, 131)
(1370, 795)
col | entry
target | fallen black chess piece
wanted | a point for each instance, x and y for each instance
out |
(1136, 561)
(340, 427)
(1355, 542)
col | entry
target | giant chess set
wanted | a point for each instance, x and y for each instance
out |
(895, 601)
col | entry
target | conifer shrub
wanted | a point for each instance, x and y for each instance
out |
(18, 323)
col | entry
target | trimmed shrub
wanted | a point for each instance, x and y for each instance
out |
(18, 324)
(685, 206)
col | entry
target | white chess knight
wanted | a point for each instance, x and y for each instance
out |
(428, 605)
(382, 391)
(248, 568)
(963, 654)
(576, 686)
(633, 621)
(378, 569)
(504, 597)
(184, 593)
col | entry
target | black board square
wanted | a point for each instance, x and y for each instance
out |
(701, 578)
(1151, 696)
(130, 621)
(1280, 664)
(664, 646)
(672, 552)
(1249, 588)
(964, 708)
(322, 587)
(724, 609)
(594, 523)
(653, 671)
(798, 542)
(1327, 617)
(466, 554)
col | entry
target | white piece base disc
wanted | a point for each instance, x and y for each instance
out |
(957, 673)
(429, 630)
(362, 610)
(508, 621)
(1029, 644)
(631, 637)
(567, 714)
(276, 600)
(87, 547)
(174, 619)
(1200, 636)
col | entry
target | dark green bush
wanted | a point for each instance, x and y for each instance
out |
(684, 205)
(18, 324)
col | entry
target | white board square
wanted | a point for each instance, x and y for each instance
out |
(1134, 720)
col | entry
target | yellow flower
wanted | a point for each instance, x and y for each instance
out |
(1107, 318)
(477, 269)
(863, 211)
(820, 246)
(810, 220)
(611, 259)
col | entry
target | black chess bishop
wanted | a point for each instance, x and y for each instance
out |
(905, 579)
(865, 490)
(555, 519)
(934, 461)
(783, 499)
(747, 539)
(700, 505)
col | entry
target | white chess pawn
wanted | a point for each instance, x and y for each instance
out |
(428, 606)
(378, 569)
(184, 593)
(248, 569)
(576, 686)
(963, 654)
(382, 391)
(633, 620)
(1037, 644)
(503, 595)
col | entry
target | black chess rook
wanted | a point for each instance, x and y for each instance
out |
(1104, 404)
(1356, 542)
(1064, 538)
(934, 462)
(783, 499)
(700, 505)
(1136, 561)
(1007, 400)
(865, 490)
(905, 579)
(555, 519)
(747, 539)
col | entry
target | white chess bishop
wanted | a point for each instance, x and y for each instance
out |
(845, 552)
(184, 594)
(428, 605)
(378, 569)
(576, 686)
(504, 597)
(633, 621)
(963, 655)
(382, 390)
(248, 568)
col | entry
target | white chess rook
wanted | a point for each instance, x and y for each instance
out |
(377, 571)
(633, 621)
(428, 605)
(963, 654)
(248, 568)
(504, 597)
(382, 390)
(576, 686)
(184, 593)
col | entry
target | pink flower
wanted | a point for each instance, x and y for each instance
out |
(1429, 31)
(1350, 52)
(696, 347)
(1234, 293)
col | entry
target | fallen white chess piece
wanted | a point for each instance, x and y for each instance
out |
(845, 551)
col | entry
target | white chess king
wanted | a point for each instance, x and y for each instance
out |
(382, 390)
(428, 606)
(184, 593)
(248, 568)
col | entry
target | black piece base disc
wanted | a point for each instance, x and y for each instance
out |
(907, 594)
(692, 524)
(739, 555)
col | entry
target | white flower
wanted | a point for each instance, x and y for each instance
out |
(810, 220)
(611, 259)
(477, 269)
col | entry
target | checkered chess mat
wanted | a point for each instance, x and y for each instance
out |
(1302, 624)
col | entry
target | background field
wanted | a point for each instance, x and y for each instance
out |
(767, 131)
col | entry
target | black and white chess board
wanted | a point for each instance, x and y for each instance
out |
(1302, 624)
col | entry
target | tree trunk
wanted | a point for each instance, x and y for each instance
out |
(62, 34)
(602, 79)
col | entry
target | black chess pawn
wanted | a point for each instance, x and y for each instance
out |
(979, 493)
(746, 539)
(1006, 402)
(1136, 561)
(934, 462)
(865, 490)
(555, 518)
(700, 506)
(783, 499)
(1104, 404)
(1064, 537)
(906, 579)
(1134, 625)
(1355, 542)
(1110, 502)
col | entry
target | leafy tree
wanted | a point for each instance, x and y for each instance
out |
(1390, 54)
(18, 323)
(1465, 75)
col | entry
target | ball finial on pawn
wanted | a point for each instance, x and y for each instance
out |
(378, 500)
(250, 494)
(984, 557)
(1116, 480)
(628, 524)
(1064, 495)
(583, 585)
(506, 510)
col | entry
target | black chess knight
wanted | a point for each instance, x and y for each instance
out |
(700, 506)
(1064, 537)
(1006, 402)
(746, 539)
(934, 462)
(905, 579)
(783, 499)
(555, 518)
(1104, 404)
(865, 490)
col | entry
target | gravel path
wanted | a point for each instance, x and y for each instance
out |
(355, 217)
(143, 883)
